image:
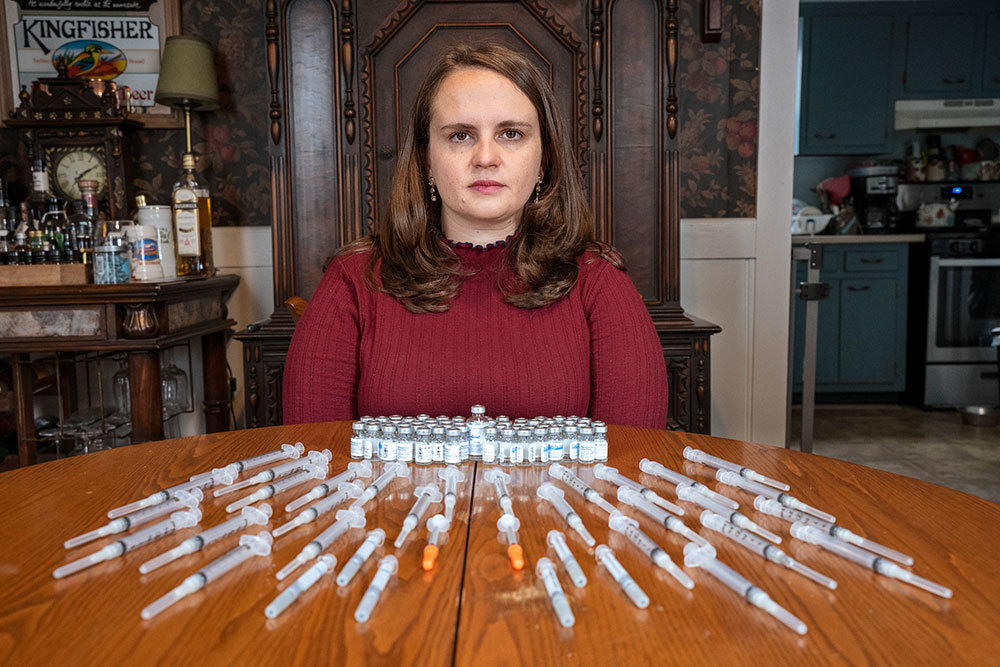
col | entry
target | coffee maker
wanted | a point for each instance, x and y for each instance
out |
(874, 192)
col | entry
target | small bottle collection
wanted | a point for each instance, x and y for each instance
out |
(499, 442)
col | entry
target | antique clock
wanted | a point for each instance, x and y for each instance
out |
(80, 127)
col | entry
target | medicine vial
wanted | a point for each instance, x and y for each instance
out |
(490, 444)
(387, 443)
(453, 446)
(463, 430)
(571, 442)
(404, 443)
(540, 436)
(357, 440)
(371, 439)
(505, 443)
(586, 444)
(518, 452)
(422, 450)
(437, 444)
(477, 423)
(600, 441)
(556, 450)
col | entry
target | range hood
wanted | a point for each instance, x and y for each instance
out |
(935, 114)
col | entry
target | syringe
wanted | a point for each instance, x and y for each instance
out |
(630, 528)
(609, 474)
(774, 508)
(741, 520)
(731, 478)
(250, 516)
(354, 470)
(499, 479)
(606, 557)
(557, 497)
(814, 535)
(451, 476)
(389, 472)
(314, 457)
(704, 557)
(437, 526)
(310, 471)
(286, 451)
(250, 545)
(352, 517)
(711, 520)
(557, 541)
(508, 525)
(564, 474)
(546, 571)
(651, 467)
(177, 520)
(658, 514)
(425, 495)
(344, 491)
(374, 539)
(181, 500)
(386, 568)
(324, 564)
(698, 456)
(217, 477)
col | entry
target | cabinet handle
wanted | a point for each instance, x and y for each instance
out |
(872, 260)
(954, 81)
(852, 288)
(825, 136)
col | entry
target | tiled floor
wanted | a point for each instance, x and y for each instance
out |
(933, 446)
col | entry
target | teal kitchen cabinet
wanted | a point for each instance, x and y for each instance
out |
(940, 54)
(991, 59)
(861, 343)
(846, 67)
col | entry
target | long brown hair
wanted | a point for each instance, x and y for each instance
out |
(416, 266)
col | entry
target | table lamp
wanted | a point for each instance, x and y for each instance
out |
(187, 78)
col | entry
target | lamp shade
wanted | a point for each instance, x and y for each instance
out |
(187, 74)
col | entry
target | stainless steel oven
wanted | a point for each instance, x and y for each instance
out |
(963, 305)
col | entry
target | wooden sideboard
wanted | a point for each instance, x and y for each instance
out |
(136, 318)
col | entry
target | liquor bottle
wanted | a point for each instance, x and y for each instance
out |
(37, 245)
(20, 254)
(6, 223)
(40, 195)
(83, 224)
(192, 223)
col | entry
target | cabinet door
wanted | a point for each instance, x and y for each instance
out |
(940, 54)
(845, 85)
(827, 339)
(991, 65)
(869, 335)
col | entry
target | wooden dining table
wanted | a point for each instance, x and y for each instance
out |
(472, 608)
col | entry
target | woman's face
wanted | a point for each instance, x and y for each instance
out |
(484, 151)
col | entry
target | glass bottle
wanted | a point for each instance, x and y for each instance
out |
(540, 437)
(489, 445)
(437, 444)
(571, 442)
(192, 206)
(506, 441)
(600, 441)
(404, 444)
(586, 444)
(422, 454)
(7, 224)
(477, 423)
(357, 440)
(387, 443)
(38, 200)
(556, 450)
(371, 439)
(453, 446)
(21, 253)
(37, 245)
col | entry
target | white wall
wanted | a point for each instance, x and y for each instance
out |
(735, 271)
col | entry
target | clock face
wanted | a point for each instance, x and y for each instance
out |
(69, 166)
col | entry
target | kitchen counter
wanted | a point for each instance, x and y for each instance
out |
(802, 239)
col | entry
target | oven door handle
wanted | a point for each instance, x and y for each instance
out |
(966, 261)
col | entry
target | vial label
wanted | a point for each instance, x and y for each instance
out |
(357, 448)
(555, 450)
(437, 451)
(543, 452)
(387, 450)
(423, 454)
(370, 447)
(516, 455)
(453, 453)
(489, 452)
(404, 451)
(475, 441)
(586, 451)
(573, 449)
(531, 452)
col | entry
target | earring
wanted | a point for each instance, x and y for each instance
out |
(538, 189)
(430, 183)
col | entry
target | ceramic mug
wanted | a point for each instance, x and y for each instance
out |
(937, 214)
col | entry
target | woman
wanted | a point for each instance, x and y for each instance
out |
(482, 283)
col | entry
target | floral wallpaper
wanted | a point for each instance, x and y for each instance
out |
(718, 96)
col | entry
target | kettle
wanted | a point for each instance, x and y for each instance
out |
(937, 214)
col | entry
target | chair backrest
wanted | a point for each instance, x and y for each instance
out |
(296, 305)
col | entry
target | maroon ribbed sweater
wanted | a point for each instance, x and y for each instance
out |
(593, 352)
